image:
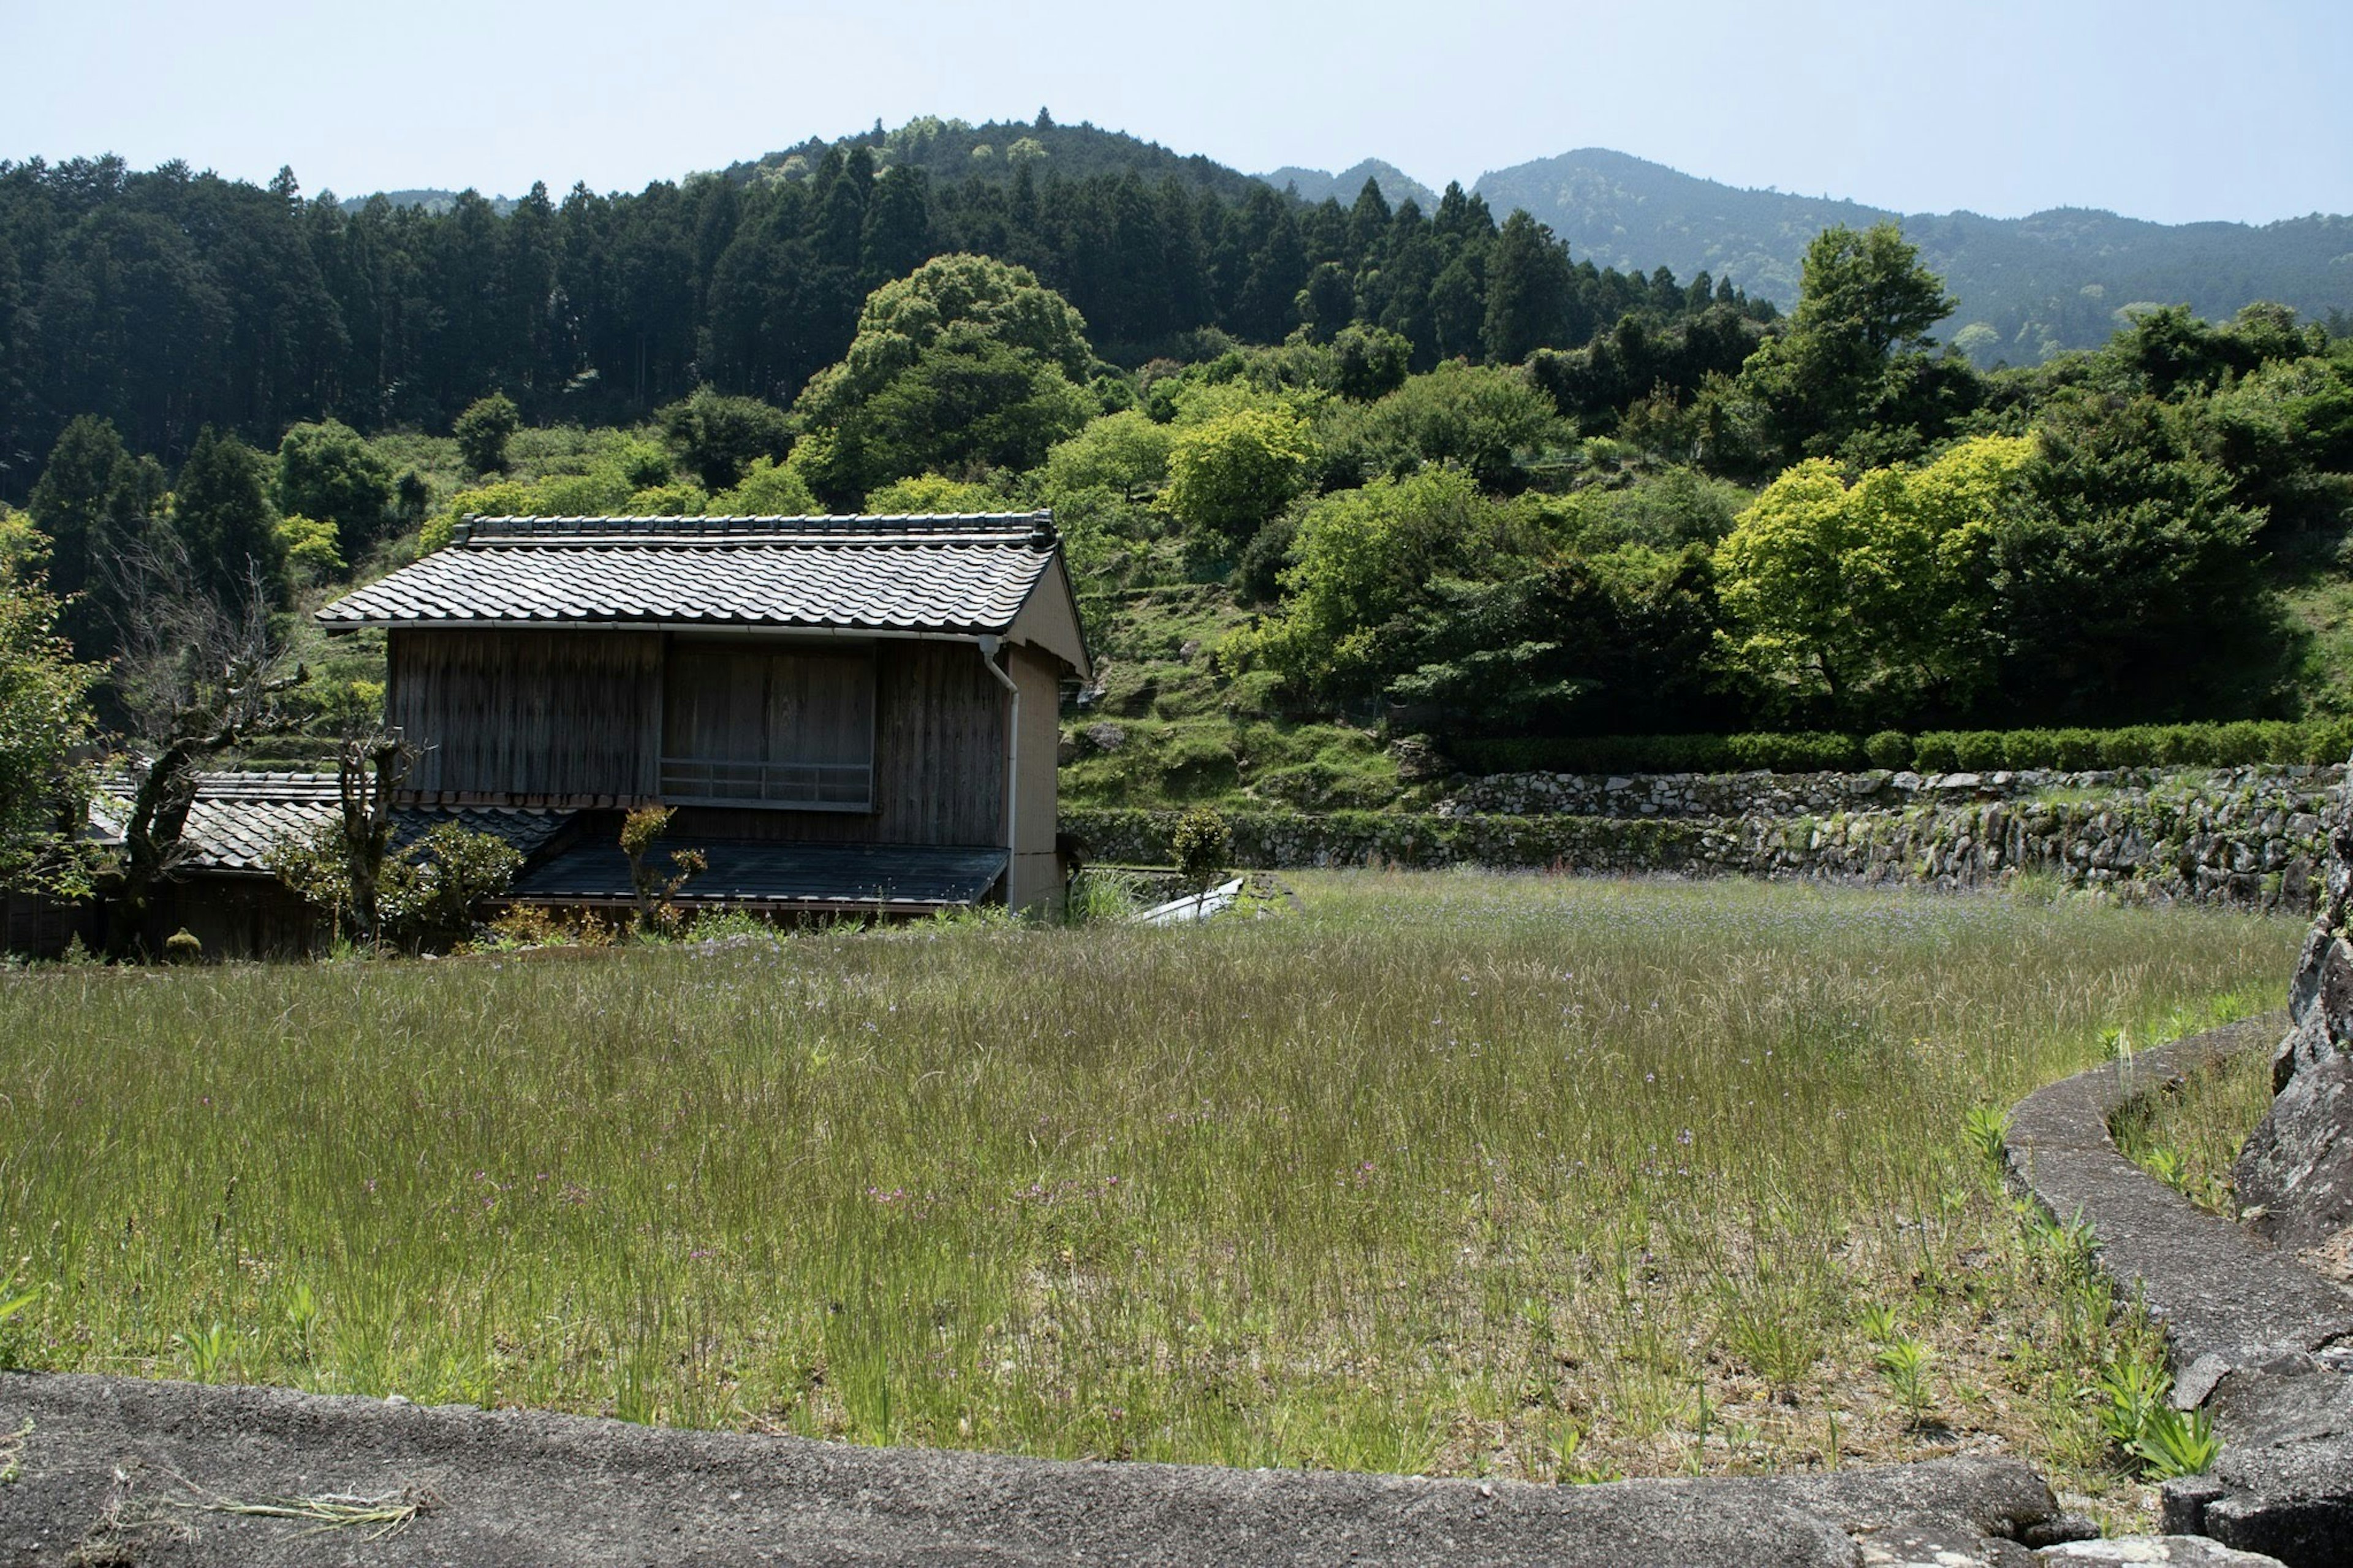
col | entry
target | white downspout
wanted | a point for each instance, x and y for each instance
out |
(988, 647)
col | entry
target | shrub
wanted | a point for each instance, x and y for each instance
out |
(483, 431)
(1981, 751)
(1203, 846)
(2238, 744)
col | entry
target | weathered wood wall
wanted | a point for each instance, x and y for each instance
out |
(939, 761)
(548, 716)
(576, 718)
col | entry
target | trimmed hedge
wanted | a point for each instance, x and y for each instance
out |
(1930, 751)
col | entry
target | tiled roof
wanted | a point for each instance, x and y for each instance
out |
(844, 876)
(967, 573)
(238, 819)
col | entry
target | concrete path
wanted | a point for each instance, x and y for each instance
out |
(124, 1471)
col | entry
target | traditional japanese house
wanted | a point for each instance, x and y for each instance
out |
(845, 714)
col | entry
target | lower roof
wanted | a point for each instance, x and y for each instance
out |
(892, 877)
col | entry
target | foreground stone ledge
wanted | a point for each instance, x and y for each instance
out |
(2261, 1342)
(120, 1470)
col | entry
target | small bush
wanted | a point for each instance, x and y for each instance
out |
(1937, 752)
(183, 947)
(1889, 749)
(1981, 751)
(1202, 845)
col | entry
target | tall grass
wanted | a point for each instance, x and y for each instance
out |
(1448, 1172)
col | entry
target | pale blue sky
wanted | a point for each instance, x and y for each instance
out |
(2152, 107)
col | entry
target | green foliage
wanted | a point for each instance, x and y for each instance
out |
(327, 471)
(93, 500)
(427, 891)
(968, 401)
(1364, 559)
(221, 512)
(1373, 362)
(720, 436)
(2136, 1418)
(483, 430)
(1931, 751)
(1229, 475)
(45, 724)
(769, 490)
(1202, 845)
(1474, 417)
(933, 493)
(310, 545)
(1854, 360)
(907, 318)
(2130, 588)
(1904, 1362)
(1124, 453)
(1873, 601)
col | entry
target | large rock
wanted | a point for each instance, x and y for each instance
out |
(2296, 1174)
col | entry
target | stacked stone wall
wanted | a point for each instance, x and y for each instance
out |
(2250, 838)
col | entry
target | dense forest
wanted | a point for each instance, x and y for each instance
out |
(1326, 473)
(169, 300)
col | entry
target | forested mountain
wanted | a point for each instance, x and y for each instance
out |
(1314, 184)
(168, 300)
(954, 150)
(2053, 281)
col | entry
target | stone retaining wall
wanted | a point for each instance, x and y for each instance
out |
(2245, 836)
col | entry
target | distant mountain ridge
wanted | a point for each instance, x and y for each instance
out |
(1314, 184)
(2028, 287)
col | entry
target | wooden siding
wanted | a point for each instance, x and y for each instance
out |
(552, 716)
(939, 761)
(575, 718)
(753, 724)
(1035, 881)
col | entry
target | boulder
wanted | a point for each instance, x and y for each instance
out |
(2295, 1177)
(2179, 1551)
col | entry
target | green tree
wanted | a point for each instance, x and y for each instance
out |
(1228, 476)
(719, 436)
(969, 402)
(901, 320)
(1479, 417)
(94, 500)
(45, 723)
(1124, 453)
(1373, 361)
(768, 489)
(1529, 288)
(1365, 561)
(327, 472)
(1855, 356)
(1873, 603)
(483, 431)
(2131, 591)
(222, 516)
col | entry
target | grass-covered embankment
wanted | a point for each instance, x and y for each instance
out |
(1462, 1173)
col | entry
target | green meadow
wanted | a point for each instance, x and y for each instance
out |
(1523, 1176)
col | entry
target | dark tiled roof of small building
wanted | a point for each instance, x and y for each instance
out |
(239, 819)
(967, 573)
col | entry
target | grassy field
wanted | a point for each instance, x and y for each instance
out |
(2188, 1135)
(1523, 1176)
